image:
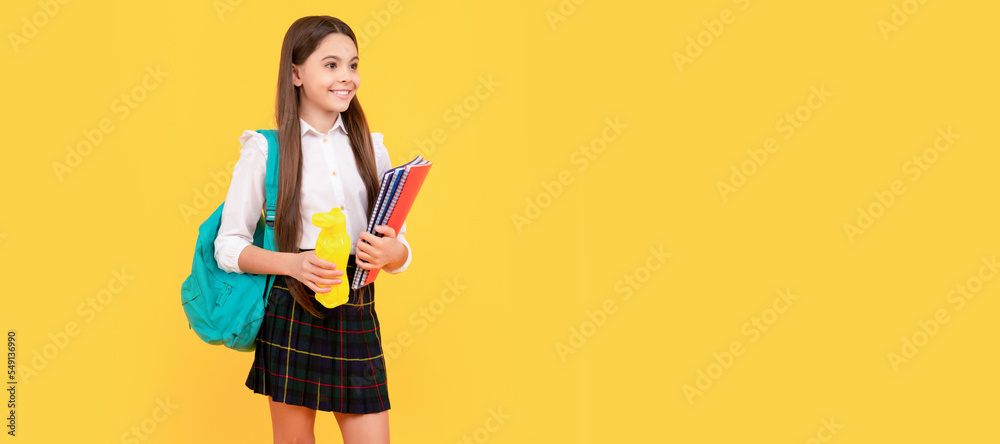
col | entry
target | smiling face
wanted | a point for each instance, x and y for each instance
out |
(327, 81)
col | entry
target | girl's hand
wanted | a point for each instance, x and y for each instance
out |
(314, 271)
(373, 252)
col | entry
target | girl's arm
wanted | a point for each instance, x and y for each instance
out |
(234, 249)
(385, 252)
(244, 201)
(398, 256)
(397, 268)
(256, 260)
(305, 267)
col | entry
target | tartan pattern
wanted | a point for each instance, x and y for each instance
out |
(330, 364)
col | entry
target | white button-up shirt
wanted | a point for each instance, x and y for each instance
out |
(329, 179)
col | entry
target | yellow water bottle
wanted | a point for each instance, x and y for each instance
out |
(334, 245)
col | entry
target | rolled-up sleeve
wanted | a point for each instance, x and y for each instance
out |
(383, 164)
(244, 202)
(402, 239)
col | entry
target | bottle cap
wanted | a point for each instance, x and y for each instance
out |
(331, 219)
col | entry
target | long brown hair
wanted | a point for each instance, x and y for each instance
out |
(300, 41)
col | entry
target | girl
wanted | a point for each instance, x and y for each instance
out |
(308, 357)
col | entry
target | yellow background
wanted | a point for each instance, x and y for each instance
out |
(493, 347)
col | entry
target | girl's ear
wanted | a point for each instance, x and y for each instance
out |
(296, 80)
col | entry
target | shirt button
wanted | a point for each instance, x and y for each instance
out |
(334, 173)
(341, 207)
(324, 140)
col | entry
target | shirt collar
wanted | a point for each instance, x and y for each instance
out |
(305, 127)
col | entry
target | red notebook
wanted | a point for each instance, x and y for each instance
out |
(397, 191)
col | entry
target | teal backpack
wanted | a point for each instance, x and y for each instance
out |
(227, 308)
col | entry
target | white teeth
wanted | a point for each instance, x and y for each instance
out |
(341, 93)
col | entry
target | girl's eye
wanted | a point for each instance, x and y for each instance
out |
(334, 65)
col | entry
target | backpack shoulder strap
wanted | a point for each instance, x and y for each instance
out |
(271, 177)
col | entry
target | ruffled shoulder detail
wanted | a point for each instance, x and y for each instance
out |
(253, 139)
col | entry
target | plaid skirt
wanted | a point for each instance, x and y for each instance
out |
(330, 364)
